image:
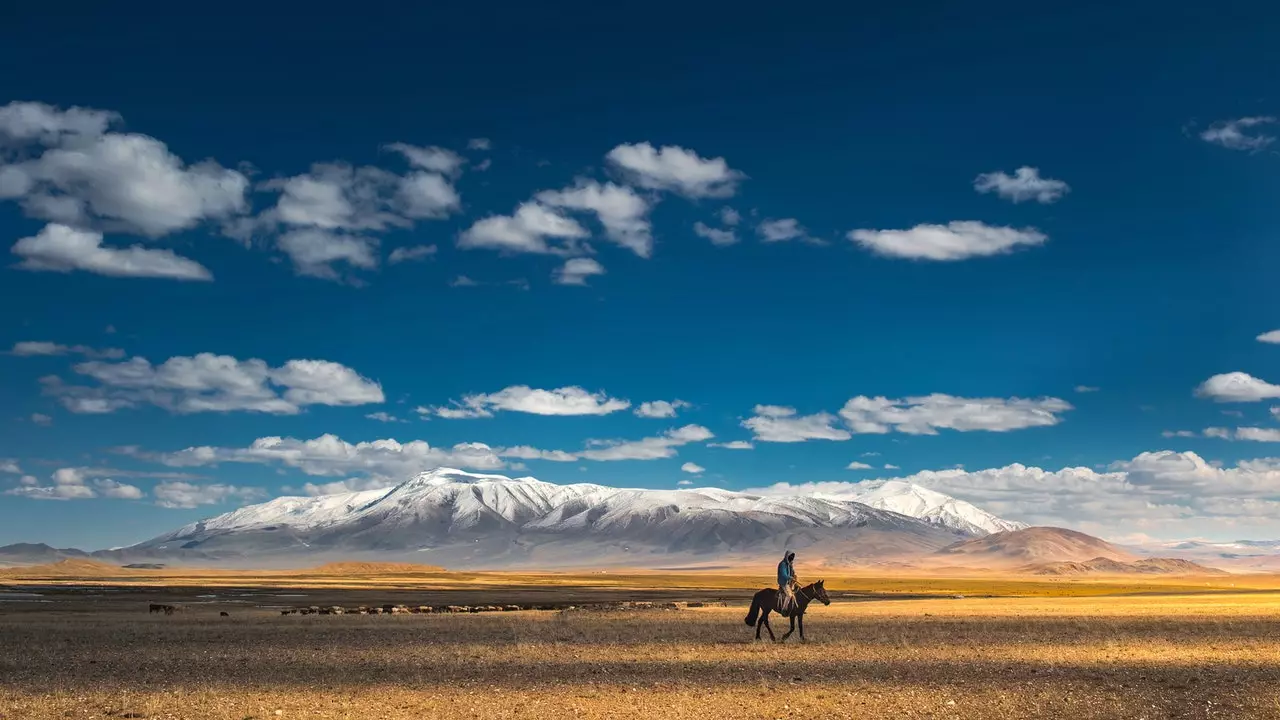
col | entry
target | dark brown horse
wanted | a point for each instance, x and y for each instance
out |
(769, 600)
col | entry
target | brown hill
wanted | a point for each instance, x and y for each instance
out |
(375, 568)
(71, 567)
(1033, 545)
(1106, 566)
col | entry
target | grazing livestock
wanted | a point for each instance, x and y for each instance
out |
(224, 613)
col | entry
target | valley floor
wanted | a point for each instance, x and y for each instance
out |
(94, 651)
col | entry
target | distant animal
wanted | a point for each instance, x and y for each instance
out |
(156, 607)
(224, 613)
(768, 600)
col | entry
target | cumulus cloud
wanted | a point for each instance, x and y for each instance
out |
(891, 467)
(927, 414)
(315, 252)
(692, 468)
(479, 144)
(41, 419)
(74, 484)
(73, 171)
(1237, 387)
(1086, 389)
(1025, 184)
(733, 445)
(533, 228)
(10, 466)
(1272, 337)
(684, 483)
(1173, 494)
(957, 240)
(31, 347)
(729, 216)
(525, 452)
(661, 408)
(782, 230)
(675, 169)
(329, 455)
(651, 448)
(189, 495)
(63, 249)
(410, 254)
(622, 212)
(571, 400)
(1258, 434)
(1217, 432)
(774, 423)
(855, 465)
(575, 271)
(435, 159)
(1239, 134)
(718, 237)
(384, 417)
(214, 383)
(1179, 434)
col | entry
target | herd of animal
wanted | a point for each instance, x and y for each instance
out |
(393, 609)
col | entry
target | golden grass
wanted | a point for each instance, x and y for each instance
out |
(1208, 655)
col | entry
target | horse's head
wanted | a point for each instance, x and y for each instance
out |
(820, 592)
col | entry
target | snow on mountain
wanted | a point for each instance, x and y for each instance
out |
(928, 505)
(473, 518)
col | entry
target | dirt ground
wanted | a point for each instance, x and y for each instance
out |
(94, 652)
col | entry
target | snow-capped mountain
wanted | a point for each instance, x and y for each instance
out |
(455, 518)
(929, 505)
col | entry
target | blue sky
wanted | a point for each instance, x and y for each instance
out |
(269, 171)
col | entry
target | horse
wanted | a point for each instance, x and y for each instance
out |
(770, 600)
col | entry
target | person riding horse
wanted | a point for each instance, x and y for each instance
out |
(787, 583)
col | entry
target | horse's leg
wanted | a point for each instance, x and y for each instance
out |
(760, 623)
(765, 620)
(787, 634)
(800, 619)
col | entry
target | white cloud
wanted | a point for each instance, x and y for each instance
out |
(718, 237)
(79, 174)
(1272, 337)
(855, 465)
(10, 466)
(74, 484)
(1086, 389)
(1217, 432)
(622, 212)
(661, 408)
(525, 452)
(954, 241)
(409, 254)
(675, 169)
(729, 216)
(571, 400)
(1179, 434)
(350, 485)
(782, 230)
(1237, 387)
(1233, 134)
(214, 383)
(479, 144)
(314, 252)
(1275, 411)
(733, 445)
(527, 230)
(188, 495)
(575, 271)
(1024, 184)
(41, 419)
(692, 468)
(651, 448)
(891, 467)
(29, 348)
(685, 483)
(329, 455)
(927, 414)
(435, 159)
(1258, 434)
(463, 281)
(774, 423)
(384, 417)
(59, 248)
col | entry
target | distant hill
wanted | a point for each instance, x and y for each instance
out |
(72, 567)
(1107, 566)
(1033, 545)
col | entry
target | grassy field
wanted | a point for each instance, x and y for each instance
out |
(94, 651)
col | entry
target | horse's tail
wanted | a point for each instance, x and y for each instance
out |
(755, 610)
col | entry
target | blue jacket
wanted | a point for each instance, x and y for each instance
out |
(786, 573)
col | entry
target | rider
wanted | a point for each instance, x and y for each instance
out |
(787, 582)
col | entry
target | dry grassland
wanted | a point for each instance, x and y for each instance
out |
(1211, 655)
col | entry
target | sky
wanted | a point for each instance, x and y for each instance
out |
(1022, 256)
